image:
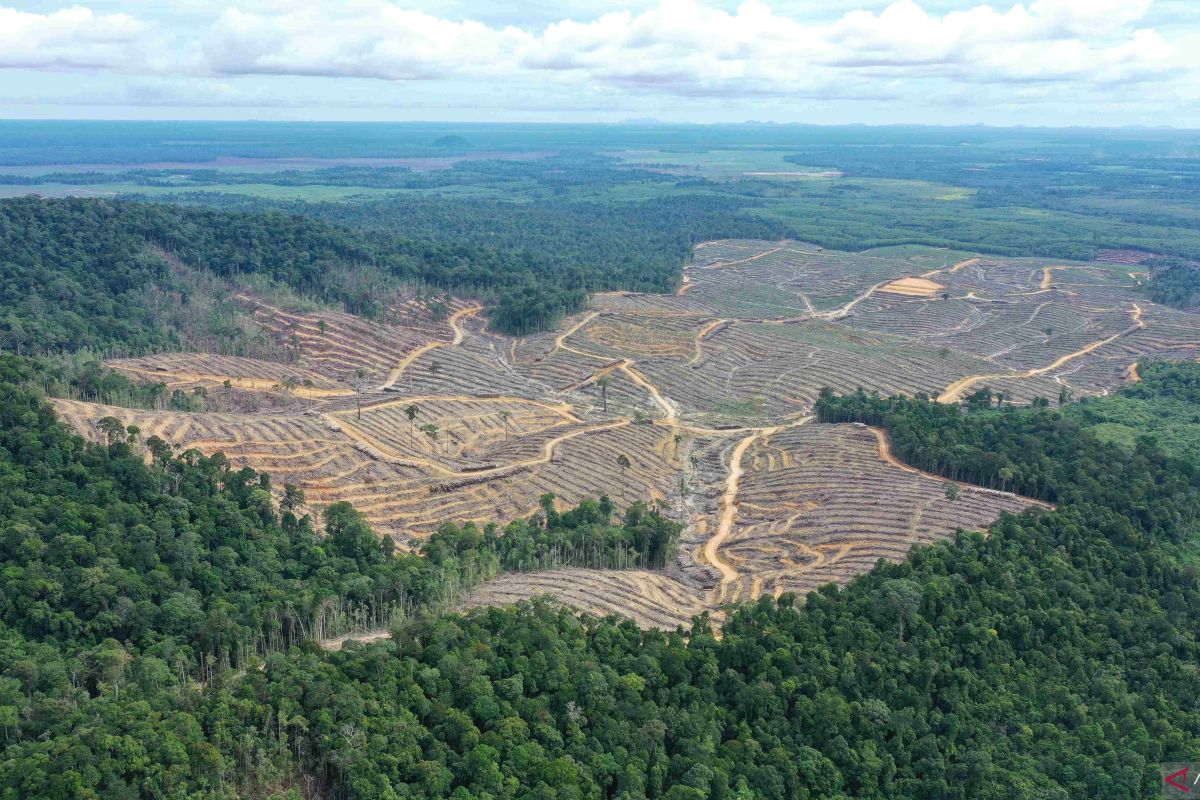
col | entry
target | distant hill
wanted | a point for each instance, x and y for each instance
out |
(451, 142)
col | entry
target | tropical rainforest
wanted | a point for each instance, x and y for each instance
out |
(159, 611)
(162, 612)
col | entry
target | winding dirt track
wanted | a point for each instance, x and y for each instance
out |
(838, 313)
(960, 265)
(756, 257)
(1048, 276)
(625, 365)
(712, 547)
(459, 335)
(668, 409)
(701, 334)
(954, 392)
(546, 456)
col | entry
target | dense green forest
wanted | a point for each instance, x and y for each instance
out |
(1177, 285)
(75, 273)
(1166, 407)
(155, 637)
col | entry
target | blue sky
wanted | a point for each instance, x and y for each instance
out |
(1043, 62)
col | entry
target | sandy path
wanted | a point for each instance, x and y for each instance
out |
(953, 269)
(625, 366)
(703, 332)
(845, 310)
(562, 409)
(712, 547)
(382, 452)
(406, 362)
(755, 257)
(733, 480)
(667, 407)
(955, 391)
(560, 340)
(1048, 274)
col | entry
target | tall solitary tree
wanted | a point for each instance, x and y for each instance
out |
(624, 463)
(361, 374)
(604, 382)
(411, 412)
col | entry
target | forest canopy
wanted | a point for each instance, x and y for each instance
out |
(158, 619)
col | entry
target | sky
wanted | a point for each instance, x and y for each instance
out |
(945, 62)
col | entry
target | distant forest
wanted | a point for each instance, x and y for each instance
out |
(72, 272)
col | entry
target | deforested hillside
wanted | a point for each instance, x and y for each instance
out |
(165, 603)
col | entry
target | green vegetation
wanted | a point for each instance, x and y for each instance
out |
(1178, 285)
(1165, 406)
(160, 611)
(156, 619)
(75, 273)
(133, 593)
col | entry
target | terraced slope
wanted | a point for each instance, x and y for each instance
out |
(698, 400)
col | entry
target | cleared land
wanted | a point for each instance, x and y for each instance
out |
(427, 416)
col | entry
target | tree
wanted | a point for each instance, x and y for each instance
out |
(293, 497)
(160, 450)
(411, 412)
(431, 430)
(685, 491)
(505, 414)
(361, 374)
(288, 385)
(624, 464)
(111, 660)
(951, 490)
(603, 382)
(903, 598)
(112, 428)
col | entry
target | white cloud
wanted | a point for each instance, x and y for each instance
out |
(73, 38)
(681, 48)
(685, 47)
(376, 40)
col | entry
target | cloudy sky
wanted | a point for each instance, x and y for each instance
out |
(1042, 62)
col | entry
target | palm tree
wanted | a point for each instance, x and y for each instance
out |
(684, 491)
(411, 412)
(603, 383)
(359, 373)
(504, 415)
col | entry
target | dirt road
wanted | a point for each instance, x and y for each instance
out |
(406, 362)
